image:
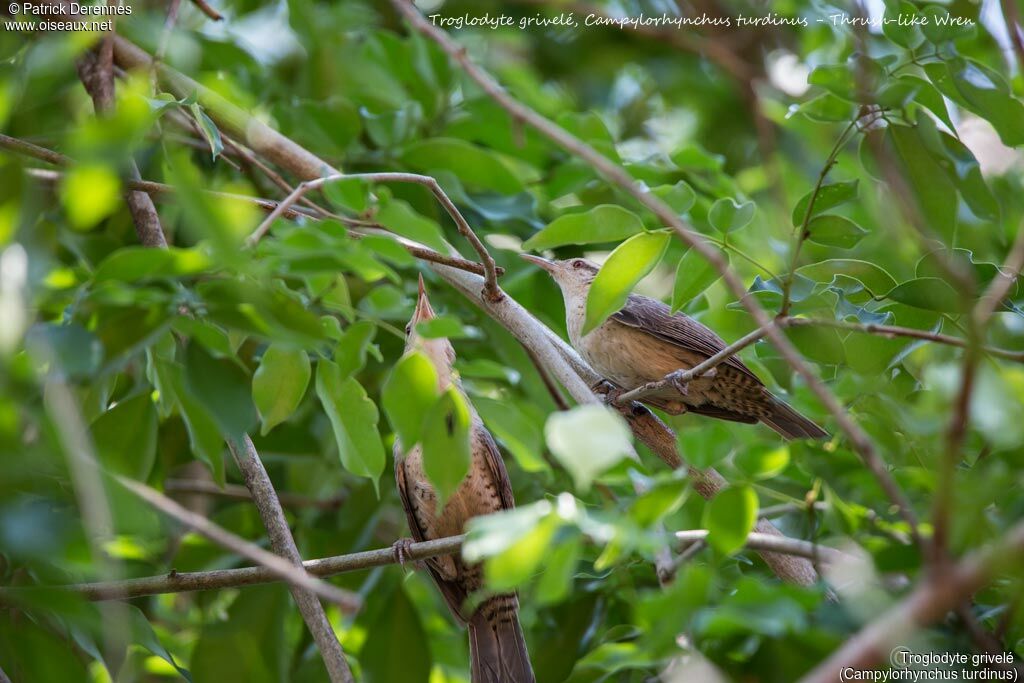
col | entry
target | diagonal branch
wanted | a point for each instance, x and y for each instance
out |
(859, 438)
(929, 602)
(491, 289)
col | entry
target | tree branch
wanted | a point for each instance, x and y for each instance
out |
(929, 602)
(182, 582)
(491, 289)
(859, 439)
(276, 565)
(263, 494)
(235, 492)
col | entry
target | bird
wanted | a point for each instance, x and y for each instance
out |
(644, 342)
(496, 644)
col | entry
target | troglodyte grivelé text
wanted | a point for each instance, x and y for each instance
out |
(496, 644)
(643, 342)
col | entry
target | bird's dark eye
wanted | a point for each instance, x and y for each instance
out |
(578, 263)
(408, 329)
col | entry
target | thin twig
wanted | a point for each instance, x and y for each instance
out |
(859, 439)
(35, 151)
(274, 564)
(704, 368)
(895, 331)
(833, 157)
(491, 289)
(236, 492)
(929, 602)
(205, 8)
(775, 544)
(182, 582)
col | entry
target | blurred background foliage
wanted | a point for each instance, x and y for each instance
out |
(292, 342)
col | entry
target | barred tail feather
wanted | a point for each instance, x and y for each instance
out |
(497, 649)
(791, 424)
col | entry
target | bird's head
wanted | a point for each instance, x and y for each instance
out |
(439, 350)
(574, 276)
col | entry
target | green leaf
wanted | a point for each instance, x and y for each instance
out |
(694, 275)
(527, 557)
(828, 196)
(604, 223)
(727, 215)
(443, 326)
(820, 344)
(203, 433)
(705, 444)
(932, 189)
(942, 27)
(763, 463)
(408, 395)
(828, 108)
(354, 419)
(445, 440)
(835, 231)
(729, 517)
(473, 165)
(588, 440)
(131, 264)
(965, 172)
(518, 432)
(143, 634)
(348, 193)
(926, 95)
(350, 354)
(397, 621)
(982, 91)
(222, 389)
(256, 654)
(929, 293)
(75, 351)
(679, 197)
(397, 216)
(626, 266)
(125, 437)
(209, 130)
(279, 383)
(897, 27)
(874, 277)
(555, 581)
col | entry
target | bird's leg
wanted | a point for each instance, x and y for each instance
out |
(400, 548)
(608, 389)
(676, 380)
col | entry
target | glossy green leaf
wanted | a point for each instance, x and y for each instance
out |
(627, 265)
(694, 275)
(604, 223)
(828, 108)
(762, 463)
(588, 440)
(137, 263)
(835, 231)
(982, 91)
(929, 293)
(729, 517)
(397, 622)
(934, 192)
(222, 389)
(208, 129)
(474, 165)
(942, 27)
(409, 394)
(680, 197)
(827, 197)
(73, 349)
(353, 419)
(399, 217)
(900, 24)
(727, 214)
(125, 437)
(877, 279)
(350, 354)
(556, 580)
(279, 384)
(445, 441)
(352, 194)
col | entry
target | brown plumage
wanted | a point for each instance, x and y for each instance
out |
(643, 342)
(497, 648)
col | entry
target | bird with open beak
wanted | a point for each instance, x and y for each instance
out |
(644, 342)
(497, 648)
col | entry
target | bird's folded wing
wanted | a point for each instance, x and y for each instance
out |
(655, 318)
(496, 465)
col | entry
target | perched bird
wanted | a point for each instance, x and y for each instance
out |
(643, 342)
(497, 648)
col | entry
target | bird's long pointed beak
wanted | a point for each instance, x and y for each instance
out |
(423, 310)
(539, 261)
